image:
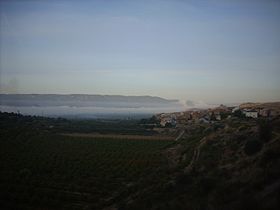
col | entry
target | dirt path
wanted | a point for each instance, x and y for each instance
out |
(180, 135)
(195, 156)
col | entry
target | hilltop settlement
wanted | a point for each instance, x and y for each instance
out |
(246, 110)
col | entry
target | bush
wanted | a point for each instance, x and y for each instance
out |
(252, 147)
(265, 131)
(269, 155)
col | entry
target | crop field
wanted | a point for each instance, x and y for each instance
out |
(41, 170)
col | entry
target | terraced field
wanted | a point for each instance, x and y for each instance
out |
(40, 170)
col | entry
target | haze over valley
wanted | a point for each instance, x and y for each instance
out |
(87, 106)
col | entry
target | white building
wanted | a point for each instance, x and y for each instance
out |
(235, 109)
(218, 117)
(251, 113)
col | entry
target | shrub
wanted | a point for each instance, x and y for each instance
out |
(265, 131)
(252, 147)
(269, 155)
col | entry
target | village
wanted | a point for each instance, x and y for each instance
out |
(211, 115)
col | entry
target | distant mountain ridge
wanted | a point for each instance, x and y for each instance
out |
(86, 100)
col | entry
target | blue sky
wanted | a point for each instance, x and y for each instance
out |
(217, 51)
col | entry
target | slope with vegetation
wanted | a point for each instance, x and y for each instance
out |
(231, 164)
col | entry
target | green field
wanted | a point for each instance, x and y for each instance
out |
(41, 170)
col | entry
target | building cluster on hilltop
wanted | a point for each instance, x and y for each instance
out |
(215, 114)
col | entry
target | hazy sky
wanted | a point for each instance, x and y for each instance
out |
(216, 51)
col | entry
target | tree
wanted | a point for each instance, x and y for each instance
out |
(238, 113)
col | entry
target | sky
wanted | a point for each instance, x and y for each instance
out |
(215, 51)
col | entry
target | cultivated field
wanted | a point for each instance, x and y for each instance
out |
(47, 171)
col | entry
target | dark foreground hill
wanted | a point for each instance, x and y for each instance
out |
(233, 164)
(228, 165)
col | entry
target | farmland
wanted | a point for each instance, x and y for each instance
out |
(51, 171)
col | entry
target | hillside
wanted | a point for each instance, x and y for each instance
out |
(226, 165)
(233, 164)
